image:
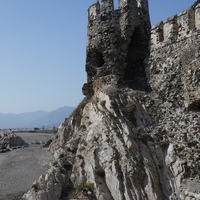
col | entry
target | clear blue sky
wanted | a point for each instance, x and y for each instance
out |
(42, 51)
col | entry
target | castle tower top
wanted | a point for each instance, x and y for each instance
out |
(117, 44)
(107, 6)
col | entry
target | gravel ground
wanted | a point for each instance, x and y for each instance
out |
(21, 167)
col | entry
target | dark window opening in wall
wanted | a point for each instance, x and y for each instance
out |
(195, 106)
(191, 18)
(99, 59)
(95, 58)
(138, 50)
(135, 56)
(160, 36)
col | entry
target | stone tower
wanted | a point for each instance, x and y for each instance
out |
(117, 45)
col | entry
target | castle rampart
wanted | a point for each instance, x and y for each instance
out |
(174, 57)
(176, 27)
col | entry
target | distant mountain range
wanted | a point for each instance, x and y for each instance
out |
(35, 119)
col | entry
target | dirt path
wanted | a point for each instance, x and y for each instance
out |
(19, 168)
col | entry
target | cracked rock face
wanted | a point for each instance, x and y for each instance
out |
(133, 137)
(9, 141)
(112, 142)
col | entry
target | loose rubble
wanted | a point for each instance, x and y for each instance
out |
(10, 141)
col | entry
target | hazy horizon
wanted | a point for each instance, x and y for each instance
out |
(42, 110)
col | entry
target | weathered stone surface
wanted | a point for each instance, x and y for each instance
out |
(9, 141)
(117, 40)
(175, 72)
(136, 134)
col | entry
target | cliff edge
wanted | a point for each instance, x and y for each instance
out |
(136, 134)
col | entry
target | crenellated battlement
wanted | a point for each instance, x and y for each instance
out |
(107, 6)
(176, 27)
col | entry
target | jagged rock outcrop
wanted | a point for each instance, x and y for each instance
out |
(136, 134)
(9, 141)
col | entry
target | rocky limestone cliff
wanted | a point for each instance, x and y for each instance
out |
(136, 134)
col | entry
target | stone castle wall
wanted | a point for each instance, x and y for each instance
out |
(176, 27)
(174, 103)
(174, 58)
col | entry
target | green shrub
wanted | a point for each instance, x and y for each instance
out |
(35, 186)
(81, 186)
